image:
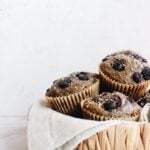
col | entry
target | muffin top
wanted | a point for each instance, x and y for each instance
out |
(113, 104)
(144, 100)
(126, 67)
(72, 83)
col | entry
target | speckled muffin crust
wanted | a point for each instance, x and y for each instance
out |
(72, 83)
(111, 105)
(126, 67)
(144, 100)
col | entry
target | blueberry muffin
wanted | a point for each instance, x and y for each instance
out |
(110, 106)
(125, 71)
(66, 93)
(144, 100)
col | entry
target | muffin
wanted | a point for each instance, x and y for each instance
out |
(144, 100)
(110, 106)
(66, 93)
(126, 72)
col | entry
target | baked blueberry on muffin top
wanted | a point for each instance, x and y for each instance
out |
(126, 67)
(144, 100)
(72, 83)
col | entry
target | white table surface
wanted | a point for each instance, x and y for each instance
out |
(13, 133)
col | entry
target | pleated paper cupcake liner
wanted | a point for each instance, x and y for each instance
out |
(71, 104)
(133, 91)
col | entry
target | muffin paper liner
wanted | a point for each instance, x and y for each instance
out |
(71, 104)
(133, 91)
(90, 115)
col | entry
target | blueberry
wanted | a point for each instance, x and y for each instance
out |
(82, 76)
(103, 94)
(109, 104)
(95, 99)
(64, 83)
(118, 65)
(137, 77)
(118, 103)
(142, 102)
(47, 90)
(104, 59)
(138, 57)
(146, 73)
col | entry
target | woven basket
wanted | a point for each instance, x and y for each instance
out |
(119, 137)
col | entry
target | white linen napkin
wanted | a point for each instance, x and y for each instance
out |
(50, 130)
(145, 114)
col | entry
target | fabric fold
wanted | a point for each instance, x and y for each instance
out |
(50, 130)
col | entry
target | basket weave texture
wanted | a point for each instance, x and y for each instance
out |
(119, 137)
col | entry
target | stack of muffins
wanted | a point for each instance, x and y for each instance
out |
(119, 91)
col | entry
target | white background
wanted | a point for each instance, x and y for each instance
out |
(41, 40)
